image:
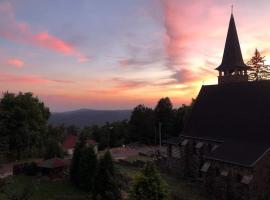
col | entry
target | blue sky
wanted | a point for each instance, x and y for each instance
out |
(109, 54)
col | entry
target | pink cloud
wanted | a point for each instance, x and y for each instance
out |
(15, 62)
(120, 86)
(21, 32)
(28, 79)
(188, 25)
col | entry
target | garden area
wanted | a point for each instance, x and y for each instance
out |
(179, 189)
(39, 188)
(43, 188)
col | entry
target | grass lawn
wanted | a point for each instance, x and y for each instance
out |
(44, 189)
(178, 188)
(139, 157)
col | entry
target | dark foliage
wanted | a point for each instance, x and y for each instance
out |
(258, 69)
(148, 185)
(52, 149)
(164, 117)
(111, 134)
(31, 169)
(75, 162)
(145, 123)
(23, 119)
(87, 169)
(107, 186)
(142, 125)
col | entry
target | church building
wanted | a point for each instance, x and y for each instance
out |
(225, 143)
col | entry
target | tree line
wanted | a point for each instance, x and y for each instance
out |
(25, 132)
(145, 125)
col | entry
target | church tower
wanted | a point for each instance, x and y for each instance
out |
(232, 68)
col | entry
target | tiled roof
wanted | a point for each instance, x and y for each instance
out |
(71, 140)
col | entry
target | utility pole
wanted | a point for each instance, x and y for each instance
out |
(155, 135)
(110, 130)
(159, 129)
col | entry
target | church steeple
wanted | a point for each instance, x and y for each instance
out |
(232, 67)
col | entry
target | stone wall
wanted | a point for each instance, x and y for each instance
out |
(221, 179)
(226, 181)
(262, 175)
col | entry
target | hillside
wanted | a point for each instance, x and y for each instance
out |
(87, 117)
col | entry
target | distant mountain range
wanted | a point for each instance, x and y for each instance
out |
(88, 117)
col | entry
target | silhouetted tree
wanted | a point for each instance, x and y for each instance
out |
(258, 70)
(148, 185)
(53, 149)
(73, 130)
(57, 133)
(23, 119)
(107, 185)
(142, 124)
(87, 169)
(75, 162)
(164, 117)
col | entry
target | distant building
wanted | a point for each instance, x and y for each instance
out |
(226, 140)
(70, 143)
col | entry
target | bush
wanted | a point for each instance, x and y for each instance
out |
(148, 185)
(31, 169)
(107, 186)
(18, 169)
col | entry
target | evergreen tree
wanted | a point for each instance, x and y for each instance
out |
(148, 185)
(164, 117)
(142, 125)
(76, 159)
(107, 186)
(53, 149)
(258, 69)
(87, 168)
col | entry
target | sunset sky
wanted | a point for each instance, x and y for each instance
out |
(116, 54)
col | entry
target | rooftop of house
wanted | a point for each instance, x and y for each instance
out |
(71, 140)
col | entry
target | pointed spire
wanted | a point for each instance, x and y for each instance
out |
(232, 56)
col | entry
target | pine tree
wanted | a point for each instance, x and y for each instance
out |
(87, 169)
(148, 185)
(258, 70)
(76, 159)
(107, 186)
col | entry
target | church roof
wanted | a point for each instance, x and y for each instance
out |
(232, 56)
(237, 115)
